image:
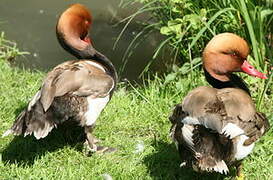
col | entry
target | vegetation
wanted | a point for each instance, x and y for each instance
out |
(188, 25)
(8, 49)
(135, 121)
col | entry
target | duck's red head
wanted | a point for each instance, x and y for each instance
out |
(73, 28)
(227, 53)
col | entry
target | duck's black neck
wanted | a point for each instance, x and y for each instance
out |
(95, 55)
(234, 82)
(89, 53)
(103, 60)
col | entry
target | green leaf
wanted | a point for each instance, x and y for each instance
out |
(194, 19)
(265, 13)
(196, 60)
(165, 30)
(170, 77)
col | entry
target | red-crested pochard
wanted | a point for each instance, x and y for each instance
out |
(74, 90)
(216, 127)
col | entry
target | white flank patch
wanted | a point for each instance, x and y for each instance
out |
(95, 64)
(190, 120)
(231, 130)
(95, 106)
(187, 135)
(35, 98)
(241, 150)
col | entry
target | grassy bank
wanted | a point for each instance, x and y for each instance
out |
(136, 116)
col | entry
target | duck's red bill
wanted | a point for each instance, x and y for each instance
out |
(87, 40)
(249, 69)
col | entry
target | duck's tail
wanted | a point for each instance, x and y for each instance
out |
(209, 148)
(33, 119)
(218, 166)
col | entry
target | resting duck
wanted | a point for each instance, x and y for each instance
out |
(74, 90)
(216, 127)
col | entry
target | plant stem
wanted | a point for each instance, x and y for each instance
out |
(250, 28)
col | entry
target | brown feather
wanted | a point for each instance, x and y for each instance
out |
(77, 90)
(218, 127)
(80, 78)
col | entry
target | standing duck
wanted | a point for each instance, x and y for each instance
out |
(216, 127)
(74, 90)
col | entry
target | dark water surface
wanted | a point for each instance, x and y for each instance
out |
(31, 23)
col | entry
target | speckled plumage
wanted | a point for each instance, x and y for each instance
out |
(75, 90)
(216, 127)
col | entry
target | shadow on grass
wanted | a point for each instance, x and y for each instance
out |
(24, 150)
(164, 164)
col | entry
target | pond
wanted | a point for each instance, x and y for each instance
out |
(31, 23)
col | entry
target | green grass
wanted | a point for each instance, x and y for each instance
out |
(188, 25)
(135, 114)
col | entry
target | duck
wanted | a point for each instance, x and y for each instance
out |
(76, 90)
(216, 127)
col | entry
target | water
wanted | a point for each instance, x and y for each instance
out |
(31, 23)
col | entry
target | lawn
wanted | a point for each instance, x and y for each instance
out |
(136, 116)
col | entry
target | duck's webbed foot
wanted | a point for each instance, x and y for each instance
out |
(90, 146)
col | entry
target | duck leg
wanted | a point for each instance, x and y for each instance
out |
(90, 143)
(239, 173)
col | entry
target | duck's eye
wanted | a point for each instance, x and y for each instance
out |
(232, 53)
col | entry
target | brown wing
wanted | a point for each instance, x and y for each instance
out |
(215, 108)
(203, 107)
(80, 78)
(192, 111)
(241, 111)
(201, 125)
